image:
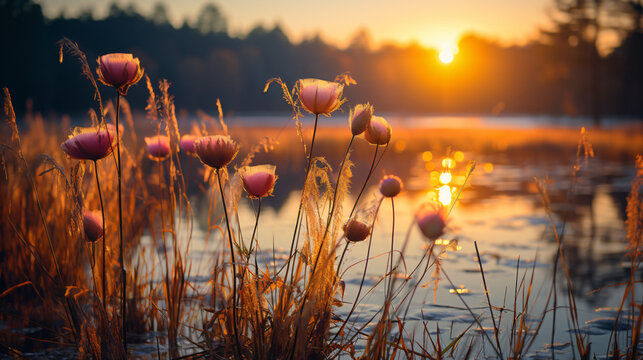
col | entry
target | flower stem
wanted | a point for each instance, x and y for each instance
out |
(332, 210)
(359, 291)
(339, 178)
(486, 291)
(301, 201)
(102, 211)
(390, 261)
(120, 227)
(234, 268)
(254, 231)
(370, 172)
(339, 264)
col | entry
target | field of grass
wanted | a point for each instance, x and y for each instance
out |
(74, 292)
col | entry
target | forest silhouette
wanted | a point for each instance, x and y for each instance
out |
(560, 73)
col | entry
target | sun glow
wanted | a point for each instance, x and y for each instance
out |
(446, 56)
(447, 53)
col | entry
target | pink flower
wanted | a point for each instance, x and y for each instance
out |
(320, 96)
(93, 225)
(355, 230)
(258, 181)
(432, 220)
(158, 147)
(390, 186)
(187, 144)
(360, 118)
(112, 129)
(216, 151)
(119, 70)
(89, 144)
(378, 132)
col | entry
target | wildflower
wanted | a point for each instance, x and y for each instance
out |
(89, 144)
(378, 131)
(432, 220)
(356, 231)
(258, 181)
(390, 186)
(216, 151)
(112, 128)
(93, 225)
(187, 144)
(320, 96)
(158, 147)
(360, 118)
(119, 70)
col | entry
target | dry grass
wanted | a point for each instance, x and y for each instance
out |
(50, 276)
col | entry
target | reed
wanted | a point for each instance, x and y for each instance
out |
(250, 307)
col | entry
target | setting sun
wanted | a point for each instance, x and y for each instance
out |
(446, 56)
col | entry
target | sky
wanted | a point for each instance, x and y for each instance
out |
(433, 23)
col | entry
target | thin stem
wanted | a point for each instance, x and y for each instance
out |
(341, 259)
(102, 211)
(359, 291)
(162, 216)
(390, 260)
(234, 268)
(486, 291)
(254, 231)
(120, 226)
(258, 321)
(339, 178)
(332, 210)
(370, 172)
(301, 201)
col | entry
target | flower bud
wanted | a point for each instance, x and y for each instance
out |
(216, 151)
(89, 144)
(356, 231)
(119, 70)
(93, 225)
(320, 96)
(258, 181)
(378, 132)
(158, 147)
(431, 221)
(360, 118)
(187, 144)
(390, 186)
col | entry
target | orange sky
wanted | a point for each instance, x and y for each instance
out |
(434, 23)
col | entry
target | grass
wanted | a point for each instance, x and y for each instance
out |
(50, 276)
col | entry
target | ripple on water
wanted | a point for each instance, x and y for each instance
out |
(613, 311)
(607, 323)
(435, 315)
(524, 263)
(557, 346)
(588, 330)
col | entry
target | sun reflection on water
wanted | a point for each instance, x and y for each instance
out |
(445, 195)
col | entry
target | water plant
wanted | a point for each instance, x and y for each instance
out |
(291, 305)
